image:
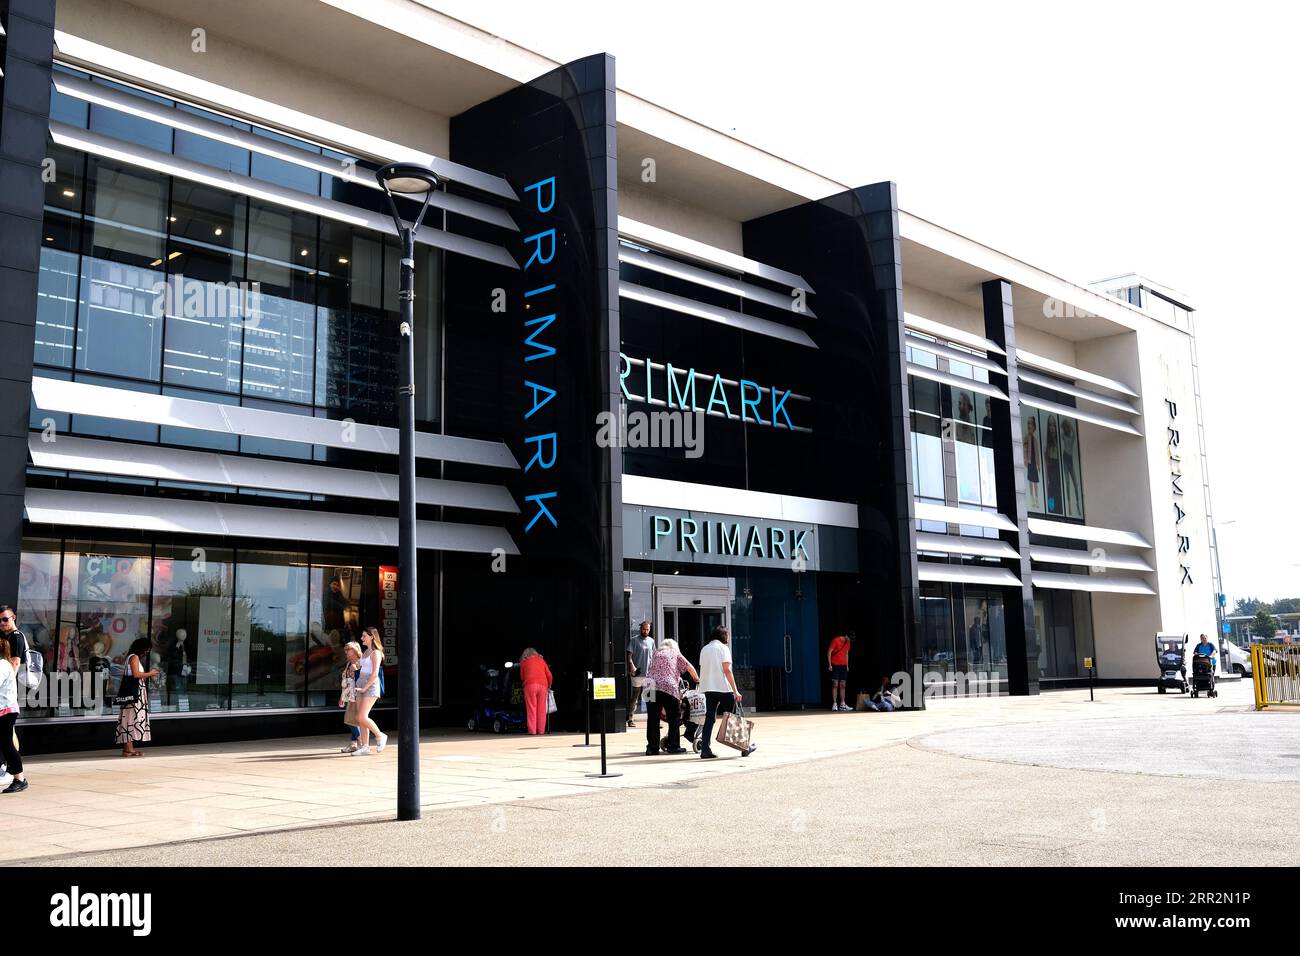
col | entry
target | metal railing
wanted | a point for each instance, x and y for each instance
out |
(1276, 674)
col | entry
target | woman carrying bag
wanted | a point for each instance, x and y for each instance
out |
(535, 675)
(133, 697)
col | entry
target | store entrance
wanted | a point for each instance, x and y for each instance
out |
(688, 616)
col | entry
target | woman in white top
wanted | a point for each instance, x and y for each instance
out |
(8, 717)
(719, 686)
(367, 691)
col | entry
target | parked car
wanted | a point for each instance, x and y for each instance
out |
(1238, 660)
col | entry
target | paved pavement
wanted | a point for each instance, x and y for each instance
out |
(966, 781)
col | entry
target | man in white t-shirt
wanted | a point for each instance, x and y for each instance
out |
(719, 686)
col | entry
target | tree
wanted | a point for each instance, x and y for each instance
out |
(1264, 625)
(1246, 606)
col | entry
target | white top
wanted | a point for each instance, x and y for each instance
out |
(8, 686)
(714, 655)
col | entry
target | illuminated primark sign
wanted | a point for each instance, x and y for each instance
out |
(687, 389)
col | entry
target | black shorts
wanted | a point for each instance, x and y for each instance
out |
(839, 672)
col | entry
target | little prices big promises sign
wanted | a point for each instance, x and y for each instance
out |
(388, 616)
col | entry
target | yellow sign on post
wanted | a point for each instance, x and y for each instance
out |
(1087, 663)
(602, 688)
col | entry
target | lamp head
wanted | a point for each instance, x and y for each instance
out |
(407, 179)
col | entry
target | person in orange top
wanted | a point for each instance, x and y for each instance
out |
(535, 675)
(837, 662)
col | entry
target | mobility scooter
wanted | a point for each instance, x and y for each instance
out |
(1172, 661)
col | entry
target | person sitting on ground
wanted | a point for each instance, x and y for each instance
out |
(885, 700)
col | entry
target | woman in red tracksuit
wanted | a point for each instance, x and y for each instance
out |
(536, 678)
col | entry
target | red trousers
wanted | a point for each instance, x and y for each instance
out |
(535, 702)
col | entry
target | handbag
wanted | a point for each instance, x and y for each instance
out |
(734, 730)
(551, 706)
(128, 691)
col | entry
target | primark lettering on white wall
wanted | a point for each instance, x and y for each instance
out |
(742, 395)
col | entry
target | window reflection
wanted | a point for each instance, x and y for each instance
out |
(270, 628)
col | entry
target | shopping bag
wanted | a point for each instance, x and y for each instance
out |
(734, 730)
(550, 702)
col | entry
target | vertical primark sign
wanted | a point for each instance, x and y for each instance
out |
(537, 336)
(538, 372)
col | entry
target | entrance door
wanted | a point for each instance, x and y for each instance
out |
(688, 615)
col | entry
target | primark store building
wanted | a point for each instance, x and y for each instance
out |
(661, 375)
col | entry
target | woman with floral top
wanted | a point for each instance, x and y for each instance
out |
(662, 689)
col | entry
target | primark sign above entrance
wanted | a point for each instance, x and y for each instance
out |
(699, 537)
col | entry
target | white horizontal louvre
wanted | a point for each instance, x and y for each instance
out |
(1044, 364)
(957, 544)
(128, 459)
(1099, 559)
(1097, 583)
(709, 255)
(76, 138)
(1042, 381)
(182, 516)
(956, 381)
(78, 398)
(1083, 532)
(712, 280)
(965, 574)
(925, 511)
(930, 327)
(1079, 414)
(713, 313)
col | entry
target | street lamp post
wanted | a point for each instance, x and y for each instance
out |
(409, 179)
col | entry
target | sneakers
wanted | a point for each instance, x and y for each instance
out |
(383, 742)
(708, 755)
(349, 748)
(18, 786)
(360, 752)
(752, 748)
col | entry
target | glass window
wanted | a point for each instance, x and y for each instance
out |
(105, 608)
(194, 634)
(206, 303)
(280, 342)
(37, 612)
(291, 175)
(212, 152)
(964, 413)
(56, 307)
(928, 451)
(985, 642)
(936, 650)
(270, 628)
(132, 129)
(337, 589)
(122, 282)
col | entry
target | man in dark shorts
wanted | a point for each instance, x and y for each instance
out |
(837, 662)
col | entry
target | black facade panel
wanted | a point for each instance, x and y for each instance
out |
(24, 117)
(563, 595)
(847, 248)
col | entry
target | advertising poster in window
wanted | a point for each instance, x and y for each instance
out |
(1033, 460)
(217, 651)
(388, 616)
(1071, 470)
(1052, 466)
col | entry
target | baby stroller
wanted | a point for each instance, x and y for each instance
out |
(502, 703)
(1203, 676)
(1171, 661)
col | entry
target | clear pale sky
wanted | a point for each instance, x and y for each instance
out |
(1152, 137)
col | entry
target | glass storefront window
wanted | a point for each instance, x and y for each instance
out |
(270, 628)
(936, 651)
(192, 627)
(337, 590)
(105, 607)
(38, 607)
